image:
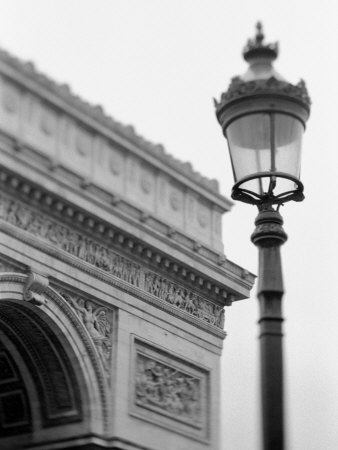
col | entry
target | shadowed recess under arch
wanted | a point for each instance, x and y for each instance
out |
(47, 362)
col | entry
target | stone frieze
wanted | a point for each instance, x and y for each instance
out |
(98, 255)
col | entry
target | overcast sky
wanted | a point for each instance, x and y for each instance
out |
(156, 64)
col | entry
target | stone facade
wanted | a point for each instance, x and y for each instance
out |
(113, 281)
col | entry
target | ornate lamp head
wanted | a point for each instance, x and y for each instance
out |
(263, 118)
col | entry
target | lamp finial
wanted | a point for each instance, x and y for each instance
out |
(256, 48)
(259, 33)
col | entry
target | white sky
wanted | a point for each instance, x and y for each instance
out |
(157, 65)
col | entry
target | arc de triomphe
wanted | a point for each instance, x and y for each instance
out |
(113, 280)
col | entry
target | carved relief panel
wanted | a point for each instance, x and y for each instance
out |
(28, 118)
(76, 147)
(98, 322)
(109, 167)
(169, 391)
(39, 125)
(140, 183)
(198, 217)
(147, 186)
(171, 201)
(10, 104)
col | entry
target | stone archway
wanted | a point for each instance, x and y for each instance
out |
(52, 385)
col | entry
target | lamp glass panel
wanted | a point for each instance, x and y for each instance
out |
(288, 138)
(256, 148)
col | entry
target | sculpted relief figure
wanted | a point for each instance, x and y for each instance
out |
(184, 299)
(164, 289)
(98, 325)
(164, 388)
(190, 305)
(220, 318)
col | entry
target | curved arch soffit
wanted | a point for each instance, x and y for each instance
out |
(65, 326)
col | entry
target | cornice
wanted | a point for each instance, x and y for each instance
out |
(133, 246)
(21, 158)
(63, 92)
(134, 249)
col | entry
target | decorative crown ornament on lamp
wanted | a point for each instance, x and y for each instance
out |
(263, 118)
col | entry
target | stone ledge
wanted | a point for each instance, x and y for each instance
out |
(118, 205)
(73, 215)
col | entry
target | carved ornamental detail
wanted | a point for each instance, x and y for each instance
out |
(100, 256)
(166, 390)
(99, 324)
(184, 299)
(170, 390)
(35, 288)
(239, 88)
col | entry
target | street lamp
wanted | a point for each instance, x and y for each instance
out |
(263, 118)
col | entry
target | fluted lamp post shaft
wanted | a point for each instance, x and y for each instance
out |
(263, 118)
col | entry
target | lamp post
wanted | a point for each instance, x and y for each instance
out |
(263, 118)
